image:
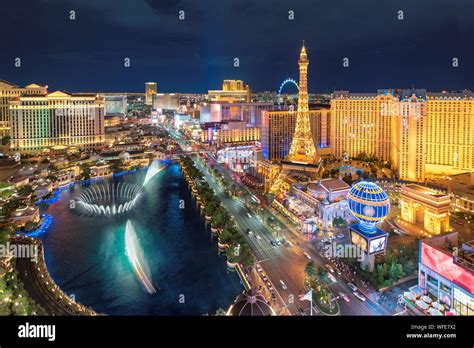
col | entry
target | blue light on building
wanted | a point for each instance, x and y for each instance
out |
(368, 203)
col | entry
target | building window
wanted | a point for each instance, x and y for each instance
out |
(463, 303)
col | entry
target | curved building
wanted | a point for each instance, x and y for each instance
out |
(250, 303)
(368, 203)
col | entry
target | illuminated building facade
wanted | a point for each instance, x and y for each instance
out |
(327, 197)
(461, 190)
(180, 119)
(239, 159)
(278, 128)
(9, 91)
(232, 91)
(112, 121)
(166, 101)
(218, 111)
(115, 104)
(422, 205)
(449, 139)
(408, 129)
(361, 123)
(267, 172)
(446, 271)
(420, 133)
(229, 132)
(59, 118)
(151, 89)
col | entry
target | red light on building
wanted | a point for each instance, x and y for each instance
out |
(444, 265)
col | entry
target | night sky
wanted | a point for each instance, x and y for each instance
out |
(196, 54)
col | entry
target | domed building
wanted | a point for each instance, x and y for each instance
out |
(368, 203)
(250, 303)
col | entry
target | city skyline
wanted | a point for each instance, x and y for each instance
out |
(383, 50)
(179, 158)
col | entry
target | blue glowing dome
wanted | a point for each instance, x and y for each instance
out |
(368, 203)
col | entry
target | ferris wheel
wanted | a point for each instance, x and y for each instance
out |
(285, 82)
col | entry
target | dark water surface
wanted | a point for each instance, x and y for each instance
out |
(86, 255)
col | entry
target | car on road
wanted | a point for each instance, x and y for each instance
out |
(283, 285)
(359, 296)
(338, 271)
(269, 286)
(264, 277)
(249, 232)
(352, 286)
(250, 216)
(330, 269)
(258, 237)
(273, 243)
(278, 242)
(274, 297)
(258, 267)
(308, 256)
(344, 297)
(332, 278)
(289, 243)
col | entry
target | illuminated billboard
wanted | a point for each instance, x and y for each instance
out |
(358, 240)
(444, 265)
(377, 245)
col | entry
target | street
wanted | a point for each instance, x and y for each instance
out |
(285, 263)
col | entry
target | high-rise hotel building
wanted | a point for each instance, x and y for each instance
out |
(361, 122)
(151, 88)
(9, 91)
(59, 118)
(420, 133)
(232, 91)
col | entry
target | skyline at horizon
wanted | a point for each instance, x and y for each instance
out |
(195, 54)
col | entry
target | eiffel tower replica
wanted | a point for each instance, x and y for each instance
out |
(302, 157)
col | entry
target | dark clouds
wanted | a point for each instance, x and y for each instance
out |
(197, 53)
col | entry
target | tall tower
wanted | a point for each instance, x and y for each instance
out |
(302, 157)
(302, 146)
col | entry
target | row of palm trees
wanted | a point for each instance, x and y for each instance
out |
(231, 241)
(317, 279)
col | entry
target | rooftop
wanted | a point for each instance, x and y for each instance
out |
(7, 84)
(450, 244)
(331, 184)
(250, 303)
(425, 191)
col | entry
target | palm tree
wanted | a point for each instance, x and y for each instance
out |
(220, 312)
(247, 259)
(322, 274)
(226, 236)
(309, 269)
